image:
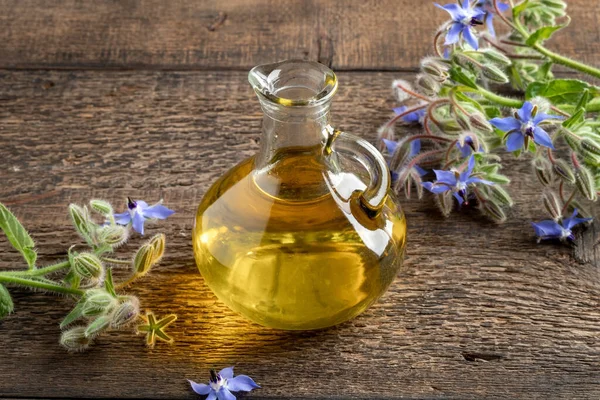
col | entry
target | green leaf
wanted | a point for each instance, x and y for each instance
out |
(519, 8)
(577, 117)
(462, 97)
(457, 75)
(75, 313)
(498, 178)
(542, 34)
(560, 91)
(108, 283)
(6, 303)
(545, 71)
(584, 100)
(17, 235)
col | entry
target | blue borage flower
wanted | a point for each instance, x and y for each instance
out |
(524, 125)
(139, 211)
(455, 182)
(222, 384)
(413, 117)
(550, 229)
(488, 7)
(415, 148)
(463, 20)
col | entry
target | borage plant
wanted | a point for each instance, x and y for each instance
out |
(86, 275)
(466, 122)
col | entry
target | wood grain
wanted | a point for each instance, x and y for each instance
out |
(481, 311)
(210, 34)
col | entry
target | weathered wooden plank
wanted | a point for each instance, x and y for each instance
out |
(181, 34)
(481, 311)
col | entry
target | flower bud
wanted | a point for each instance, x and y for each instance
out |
(102, 207)
(590, 146)
(582, 210)
(113, 235)
(493, 211)
(552, 204)
(126, 313)
(6, 303)
(464, 61)
(494, 73)
(142, 261)
(480, 122)
(74, 339)
(97, 301)
(428, 85)
(449, 126)
(585, 183)
(401, 95)
(445, 203)
(87, 265)
(572, 140)
(496, 57)
(158, 243)
(557, 4)
(543, 170)
(434, 68)
(564, 171)
(463, 121)
(500, 195)
(81, 220)
(97, 326)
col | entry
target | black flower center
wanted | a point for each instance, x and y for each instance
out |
(214, 377)
(131, 204)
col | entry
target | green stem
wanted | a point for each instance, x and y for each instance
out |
(38, 272)
(567, 62)
(40, 285)
(116, 261)
(501, 100)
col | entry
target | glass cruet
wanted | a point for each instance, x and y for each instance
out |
(306, 234)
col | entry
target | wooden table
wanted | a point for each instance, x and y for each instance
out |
(149, 99)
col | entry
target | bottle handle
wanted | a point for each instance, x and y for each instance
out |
(375, 194)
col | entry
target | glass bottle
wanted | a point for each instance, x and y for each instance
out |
(305, 234)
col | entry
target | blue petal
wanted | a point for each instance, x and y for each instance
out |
(547, 229)
(399, 110)
(503, 7)
(525, 111)
(123, 218)
(447, 177)
(478, 13)
(489, 19)
(226, 373)
(542, 138)
(415, 147)
(241, 383)
(506, 124)
(413, 116)
(453, 34)
(466, 174)
(211, 396)
(200, 388)
(435, 188)
(540, 116)
(466, 4)
(141, 204)
(394, 176)
(224, 394)
(390, 145)
(157, 211)
(420, 171)
(470, 37)
(138, 222)
(570, 222)
(479, 180)
(515, 141)
(459, 198)
(453, 9)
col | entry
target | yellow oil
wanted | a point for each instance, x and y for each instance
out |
(279, 249)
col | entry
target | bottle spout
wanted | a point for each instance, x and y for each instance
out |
(294, 83)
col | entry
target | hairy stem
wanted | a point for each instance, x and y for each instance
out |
(15, 280)
(40, 271)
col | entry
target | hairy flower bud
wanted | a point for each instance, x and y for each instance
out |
(564, 171)
(543, 170)
(449, 126)
(435, 69)
(126, 313)
(464, 61)
(585, 183)
(445, 203)
(494, 73)
(480, 122)
(112, 235)
(82, 221)
(552, 204)
(401, 95)
(6, 303)
(572, 140)
(463, 121)
(493, 211)
(158, 242)
(142, 262)
(496, 57)
(427, 85)
(74, 339)
(102, 207)
(500, 195)
(87, 265)
(590, 146)
(97, 301)
(97, 326)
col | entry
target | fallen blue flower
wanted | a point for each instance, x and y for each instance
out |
(139, 211)
(455, 182)
(222, 384)
(463, 20)
(525, 124)
(550, 229)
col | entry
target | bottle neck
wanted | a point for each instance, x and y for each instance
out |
(291, 128)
